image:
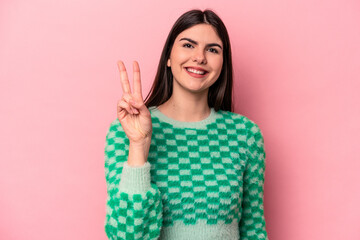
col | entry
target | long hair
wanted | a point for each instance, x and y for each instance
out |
(220, 93)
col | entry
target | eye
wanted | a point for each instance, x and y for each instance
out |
(213, 50)
(187, 45)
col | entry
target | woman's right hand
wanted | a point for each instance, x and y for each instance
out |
(134, 116)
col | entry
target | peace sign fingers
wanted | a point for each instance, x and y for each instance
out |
(132, 113)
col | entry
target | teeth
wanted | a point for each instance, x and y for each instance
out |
(195, 71)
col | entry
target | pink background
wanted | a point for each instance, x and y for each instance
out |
(297, 68)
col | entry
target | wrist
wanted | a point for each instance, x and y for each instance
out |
(139, 152)
(141, 143)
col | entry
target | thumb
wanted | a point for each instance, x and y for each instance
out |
(138, 104)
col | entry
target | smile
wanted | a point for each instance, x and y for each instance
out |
(195, 73)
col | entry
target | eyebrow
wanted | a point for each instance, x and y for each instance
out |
(196, 43)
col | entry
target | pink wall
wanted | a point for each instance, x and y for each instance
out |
(297, 68)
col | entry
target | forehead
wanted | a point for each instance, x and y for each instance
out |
(202, 33)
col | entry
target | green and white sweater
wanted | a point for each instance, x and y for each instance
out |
(202, 180)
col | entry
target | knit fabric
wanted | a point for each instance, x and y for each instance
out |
(202, 180)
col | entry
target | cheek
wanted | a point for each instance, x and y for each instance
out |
(178, 56)
(218, 64)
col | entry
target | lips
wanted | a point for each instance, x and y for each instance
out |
(196, 70)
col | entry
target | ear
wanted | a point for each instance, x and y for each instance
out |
(168, 63)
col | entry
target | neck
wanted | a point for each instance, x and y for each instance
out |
(188, 107)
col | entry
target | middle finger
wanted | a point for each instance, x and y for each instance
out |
(124, 77)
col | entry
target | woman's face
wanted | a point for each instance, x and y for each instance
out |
(196, 58)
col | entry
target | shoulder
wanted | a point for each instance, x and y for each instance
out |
(242, 123)
(115, 129)
(237, 118)
(115, 125)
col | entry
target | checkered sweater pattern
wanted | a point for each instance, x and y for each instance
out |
(202, 180)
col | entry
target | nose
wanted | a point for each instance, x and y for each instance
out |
(199, 57)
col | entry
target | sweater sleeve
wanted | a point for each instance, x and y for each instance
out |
(133, 205)
(252, 223)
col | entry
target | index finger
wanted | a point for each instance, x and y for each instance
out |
(124, 77)
(137, 79)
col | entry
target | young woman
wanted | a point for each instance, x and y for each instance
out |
(182, 165)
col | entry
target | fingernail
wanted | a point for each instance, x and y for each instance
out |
(135, 110)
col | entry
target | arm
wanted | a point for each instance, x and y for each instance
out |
(252, 223)
(133, 207)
